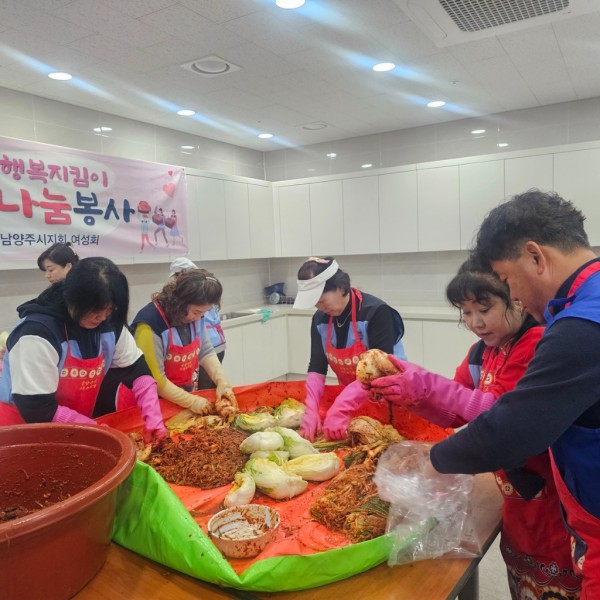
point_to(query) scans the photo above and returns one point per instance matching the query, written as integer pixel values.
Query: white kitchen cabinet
(361, 215)
(327, 218)
(298, 340)
(439, 206)
(265, 350)
(237, 219)
(526, 172)
(262, 221)
(445, 344)
(481, 189)
(577, 178)
(233, 362)
(398, 212)
(211, 229)
(294, 219)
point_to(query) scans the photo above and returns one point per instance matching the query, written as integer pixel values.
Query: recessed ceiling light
(502, 145)
(382, 67)
(316, 126)
(289, 3)
(102, 129)
(187, 147)
(367, 165)
(477, 131)
(436, 104)
(60, 76)
(186, 112)
(331, 155)
(265, 136)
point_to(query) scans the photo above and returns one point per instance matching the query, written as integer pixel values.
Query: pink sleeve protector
(434, 397)
(64, 414)
(311, 423)
(146, 396)
(338, 416)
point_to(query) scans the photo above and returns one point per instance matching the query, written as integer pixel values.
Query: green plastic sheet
(152, 521)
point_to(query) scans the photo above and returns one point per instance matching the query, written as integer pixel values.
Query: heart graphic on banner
(169, 189)
(170, 173)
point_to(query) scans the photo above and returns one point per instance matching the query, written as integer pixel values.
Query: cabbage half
(273, 481)
(242, 492)
(262, 440)
(279, 457)
(289, 413)
(315, 467)
(254, 421)
(294, 443)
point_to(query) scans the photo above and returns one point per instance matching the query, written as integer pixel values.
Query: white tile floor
(493, 584)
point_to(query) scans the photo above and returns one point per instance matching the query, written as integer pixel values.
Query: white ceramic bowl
(243, 531)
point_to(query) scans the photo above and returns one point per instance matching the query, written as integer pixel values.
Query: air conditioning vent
(475, 16)
(449, 22)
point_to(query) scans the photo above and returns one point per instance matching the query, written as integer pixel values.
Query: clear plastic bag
(429, 513)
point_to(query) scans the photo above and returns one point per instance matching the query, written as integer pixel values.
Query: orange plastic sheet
(298, 534)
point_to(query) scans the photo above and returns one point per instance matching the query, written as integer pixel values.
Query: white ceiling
(296, 67)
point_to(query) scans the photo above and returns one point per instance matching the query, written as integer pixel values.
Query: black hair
(473, 283)
(96, 283)
(541, 217)
(188, 287)
(60, 253)
(338, 281)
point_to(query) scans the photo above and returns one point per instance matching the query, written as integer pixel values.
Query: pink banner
(103, 205)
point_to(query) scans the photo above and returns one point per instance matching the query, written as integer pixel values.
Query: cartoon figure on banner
(172, 225)
(143, 214)
(160, 221)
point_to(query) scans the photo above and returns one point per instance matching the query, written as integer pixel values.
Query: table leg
(471, 589)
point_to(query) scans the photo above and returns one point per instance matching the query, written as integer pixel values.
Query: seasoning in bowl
(243, 531)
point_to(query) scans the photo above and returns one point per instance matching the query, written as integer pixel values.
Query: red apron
(534, 542)
(585, 538)
(78, 386)
(181, 362)
(343, 361)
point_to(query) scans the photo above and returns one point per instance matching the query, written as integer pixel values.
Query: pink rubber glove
(338, 416)
(146, 396)
(434, 397)
(64, 414)
(311, 422)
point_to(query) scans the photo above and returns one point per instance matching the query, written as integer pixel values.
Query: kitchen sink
(236, 315)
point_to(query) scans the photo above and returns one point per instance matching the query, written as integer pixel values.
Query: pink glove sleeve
(64, 414)
(146, 396)
(338, 416)
(311, 422)
(434, 397)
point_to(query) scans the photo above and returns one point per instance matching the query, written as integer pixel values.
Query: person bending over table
(58, 356)
(172, 334)
(347, 323)
(534, 542)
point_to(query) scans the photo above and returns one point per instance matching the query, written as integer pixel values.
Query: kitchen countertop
(417, 313)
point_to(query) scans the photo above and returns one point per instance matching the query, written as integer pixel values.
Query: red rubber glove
(146, 397)
(311, 422)
(434, 397)
(338, 416)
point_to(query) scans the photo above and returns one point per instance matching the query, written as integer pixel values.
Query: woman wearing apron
(347, 323)
(172, 334)
(67, 340)
(534, 542)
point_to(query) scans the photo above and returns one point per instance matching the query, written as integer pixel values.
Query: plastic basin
(53, 552)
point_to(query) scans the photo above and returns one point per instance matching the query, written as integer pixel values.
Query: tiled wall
(414, 279)
(243, 282)
(38, 119)
(557, 124)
